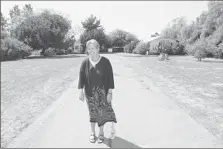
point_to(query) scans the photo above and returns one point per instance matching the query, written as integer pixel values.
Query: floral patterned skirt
(100, 111)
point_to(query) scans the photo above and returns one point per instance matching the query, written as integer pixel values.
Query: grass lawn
(197, 87)
(29, 86)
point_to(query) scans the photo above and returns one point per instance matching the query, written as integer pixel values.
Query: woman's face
(92, 50)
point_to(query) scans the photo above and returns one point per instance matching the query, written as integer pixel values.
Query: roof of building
(153, 38)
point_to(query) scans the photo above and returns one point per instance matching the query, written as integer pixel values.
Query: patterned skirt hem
(103, 122)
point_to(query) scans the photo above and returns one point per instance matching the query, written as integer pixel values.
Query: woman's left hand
(109, 97)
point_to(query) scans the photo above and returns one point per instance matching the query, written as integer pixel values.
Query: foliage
(206, 30)
(12, 49)
(121, 38)
(18, 15)
(4, 24)
(44, 30)
(50, 52)
(130, 47)
(174, 28)
(166, 45)
(91, 23)
(93, 30)
(199, 49)
(141, 48)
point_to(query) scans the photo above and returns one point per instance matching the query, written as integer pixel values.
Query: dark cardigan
(105, 68)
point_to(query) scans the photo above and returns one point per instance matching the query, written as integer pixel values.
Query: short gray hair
(94, 42)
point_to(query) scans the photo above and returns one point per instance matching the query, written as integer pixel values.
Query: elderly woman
(96, 82)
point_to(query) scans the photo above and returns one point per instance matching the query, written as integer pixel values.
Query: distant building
(110, 50)
(117, 49)
(154, 38)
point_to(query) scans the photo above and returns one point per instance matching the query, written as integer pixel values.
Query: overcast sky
(141, 18)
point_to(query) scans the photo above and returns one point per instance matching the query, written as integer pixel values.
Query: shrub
(12, 49)
(3, 51)
(70, 50)
(141, 48)
(60, 52)
(50, 52)
(166, 45)
(130, 47)
(189, 49)
(199, 49)
(64, 51)
(219, 52)
(199, 54)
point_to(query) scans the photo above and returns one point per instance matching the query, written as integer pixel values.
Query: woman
(96, 83)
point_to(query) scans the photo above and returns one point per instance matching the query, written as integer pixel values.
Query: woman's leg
(92, 136)
(93, 128)
(101, 131)
(101, 134)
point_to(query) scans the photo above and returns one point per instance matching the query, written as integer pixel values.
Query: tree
(4, 24)
(206, 30)
(27, 10)
(93, 30)
(173, 30)
(131, 38)
(141, 48)
(91, 23)
(15, 11)
(97, 34)
(212, 28)
(121, 38)
(69, 40)
(43, 31)
(130, 47)
(18, 16)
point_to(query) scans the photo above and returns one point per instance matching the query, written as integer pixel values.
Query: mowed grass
(29, 86)
(197, 87)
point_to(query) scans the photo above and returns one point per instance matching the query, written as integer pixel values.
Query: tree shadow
(135, 55)
(56, 56)
(212, 61)
(118, 142)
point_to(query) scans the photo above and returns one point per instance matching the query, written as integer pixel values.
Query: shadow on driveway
(118, 142)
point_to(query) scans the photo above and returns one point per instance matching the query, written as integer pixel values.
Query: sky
(141, 18)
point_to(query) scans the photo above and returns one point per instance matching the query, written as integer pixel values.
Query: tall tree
(27, 10)
(91, 23)
(44, 30)
(15, 11)
(120, 38)
(18, 15)
(4, 24)
(173, 30)
(93, 30)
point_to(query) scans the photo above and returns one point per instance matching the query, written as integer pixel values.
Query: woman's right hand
(81, 95)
